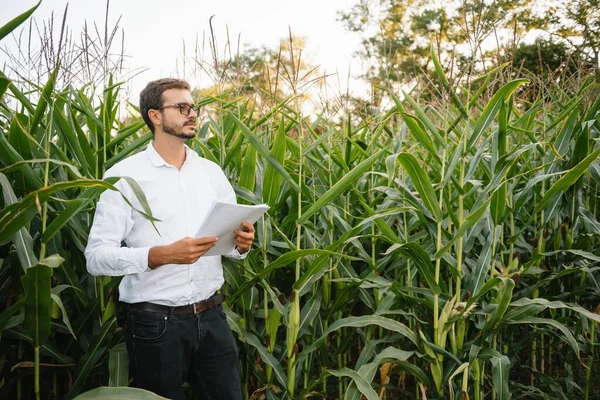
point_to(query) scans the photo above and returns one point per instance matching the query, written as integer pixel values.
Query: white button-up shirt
(180, 199)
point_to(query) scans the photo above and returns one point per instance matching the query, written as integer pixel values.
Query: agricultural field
(444, 247)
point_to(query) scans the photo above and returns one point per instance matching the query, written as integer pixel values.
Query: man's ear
(155, 116)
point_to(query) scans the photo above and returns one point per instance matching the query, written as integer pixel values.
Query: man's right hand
(184, 251)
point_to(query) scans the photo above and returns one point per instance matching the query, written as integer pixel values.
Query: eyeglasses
(184, 108)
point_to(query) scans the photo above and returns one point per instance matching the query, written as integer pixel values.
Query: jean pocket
(148, 329)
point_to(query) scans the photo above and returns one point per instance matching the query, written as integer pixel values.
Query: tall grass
(445, 249)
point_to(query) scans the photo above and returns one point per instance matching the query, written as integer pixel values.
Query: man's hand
(185, 251)
(244, 238)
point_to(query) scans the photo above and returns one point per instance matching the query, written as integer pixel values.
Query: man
(175, 329)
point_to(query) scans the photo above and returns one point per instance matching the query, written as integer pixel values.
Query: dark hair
(151, 96)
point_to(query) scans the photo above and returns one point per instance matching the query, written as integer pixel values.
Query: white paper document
(222, 219)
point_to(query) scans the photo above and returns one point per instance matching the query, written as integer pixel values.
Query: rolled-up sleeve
(112, 223)
(236, 254)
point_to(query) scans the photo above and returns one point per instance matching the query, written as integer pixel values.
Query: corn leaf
(282, 261)
(422, 183)
(500, 372)
(45, 98)
(566, 181)
(119, 393)
(15, 216)
(440, 72)
(36, 283)
(265, 153)
(118, 366)
(492, 108)
(422, 262)
(4, 83)
(368, 371)
(272, 179)
(346, 182)
(426, 120)
(417, 129)
(91, 357)
(248, 172)
(21, 238)
(18, 20)
(504, 297)
(362, 385)
(361, 322)
(6, 314)
(547, 321)
(130, 148)
(308, 313)
(470, 221)
(477, 277)
(234, 322)
(64, 217)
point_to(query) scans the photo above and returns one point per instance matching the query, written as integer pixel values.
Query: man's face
(173, 122)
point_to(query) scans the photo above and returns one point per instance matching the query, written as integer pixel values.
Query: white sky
(155, 29)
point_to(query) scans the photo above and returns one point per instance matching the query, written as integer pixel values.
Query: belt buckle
(197, 308)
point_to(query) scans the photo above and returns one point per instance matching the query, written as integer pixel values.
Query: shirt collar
(158, 161)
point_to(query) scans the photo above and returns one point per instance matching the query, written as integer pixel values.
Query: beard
(177, 131)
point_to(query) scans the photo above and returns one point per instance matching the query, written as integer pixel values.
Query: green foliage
(541, 57)
(120, 393)
(440, 247)
(15, 22)
(396, 36)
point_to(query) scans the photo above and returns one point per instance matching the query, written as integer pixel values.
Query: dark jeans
(166, 350)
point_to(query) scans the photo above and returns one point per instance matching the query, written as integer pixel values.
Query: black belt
(195, 308)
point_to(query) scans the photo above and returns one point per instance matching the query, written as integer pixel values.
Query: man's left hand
(244, 238)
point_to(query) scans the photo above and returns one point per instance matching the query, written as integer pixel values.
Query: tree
(578, 23)
(467, 35)
(265, 77)
(545, 56)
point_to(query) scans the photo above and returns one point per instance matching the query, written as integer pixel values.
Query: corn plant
(437, 248)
